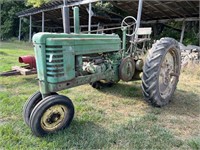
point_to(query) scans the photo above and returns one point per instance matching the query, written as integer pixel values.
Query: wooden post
(182, 32)
(20, 26)
(42, 21)
(30, 28)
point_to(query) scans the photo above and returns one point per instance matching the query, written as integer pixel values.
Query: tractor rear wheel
(161, 72)
(51, 114)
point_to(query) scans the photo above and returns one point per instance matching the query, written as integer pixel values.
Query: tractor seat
(143, 35)
(141, 40)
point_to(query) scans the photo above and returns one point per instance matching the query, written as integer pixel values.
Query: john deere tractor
(69, 60)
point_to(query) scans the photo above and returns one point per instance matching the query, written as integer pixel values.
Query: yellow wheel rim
(53, 118)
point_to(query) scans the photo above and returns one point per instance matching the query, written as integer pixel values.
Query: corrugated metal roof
(54, 4)
(153, 11)
(161, 9)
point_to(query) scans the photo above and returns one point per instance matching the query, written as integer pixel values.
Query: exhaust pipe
(30, 60)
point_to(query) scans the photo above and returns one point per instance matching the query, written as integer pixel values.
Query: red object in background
(28, 60)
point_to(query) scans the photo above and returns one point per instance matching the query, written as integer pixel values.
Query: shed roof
(161, 9)
(153, 11)
(52, 5)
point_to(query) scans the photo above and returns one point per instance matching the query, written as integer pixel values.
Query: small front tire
(30, 104)
(51, 114)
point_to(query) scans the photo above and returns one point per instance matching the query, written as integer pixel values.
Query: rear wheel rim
(167, 74)
(54, 117)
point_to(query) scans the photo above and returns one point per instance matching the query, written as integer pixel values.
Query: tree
(9, 20)
(36, 3)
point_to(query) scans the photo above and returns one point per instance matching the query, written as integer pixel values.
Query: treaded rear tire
(152, 70)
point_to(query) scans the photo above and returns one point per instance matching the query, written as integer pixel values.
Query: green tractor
(69, 60)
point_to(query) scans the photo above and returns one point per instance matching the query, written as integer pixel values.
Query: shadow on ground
(81, 134)
(138, 134)
(184, 102)
(126, 90)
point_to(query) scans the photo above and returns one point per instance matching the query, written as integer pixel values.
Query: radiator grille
(54, 61)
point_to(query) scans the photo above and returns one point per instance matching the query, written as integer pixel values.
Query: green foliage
(100, 8)
(9, 53)
(3, 1)
(36, 3)
(195, 143)
(191, 36)
(10, 21)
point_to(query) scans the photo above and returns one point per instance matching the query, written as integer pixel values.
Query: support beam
(20, 27)
(0, 24)
(89, 17)
(81, 26)
(199, 23)
(76, 20)
(139, 13)
(182, 32)
(42, 21)
(174, 19)
(65, 15)
(139, 16)
(142, 22)
(30, 28)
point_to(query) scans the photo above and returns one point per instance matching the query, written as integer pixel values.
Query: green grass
(9, 53)
(111, 118)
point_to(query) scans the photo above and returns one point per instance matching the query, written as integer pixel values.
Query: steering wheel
(129, 22)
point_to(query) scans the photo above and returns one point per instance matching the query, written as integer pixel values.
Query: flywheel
(127, 69)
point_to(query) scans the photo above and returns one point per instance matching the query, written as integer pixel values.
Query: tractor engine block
(92, 67)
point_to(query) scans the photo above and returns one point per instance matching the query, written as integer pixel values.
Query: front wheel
(51, 114)
(161, 72)
(30, 104)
